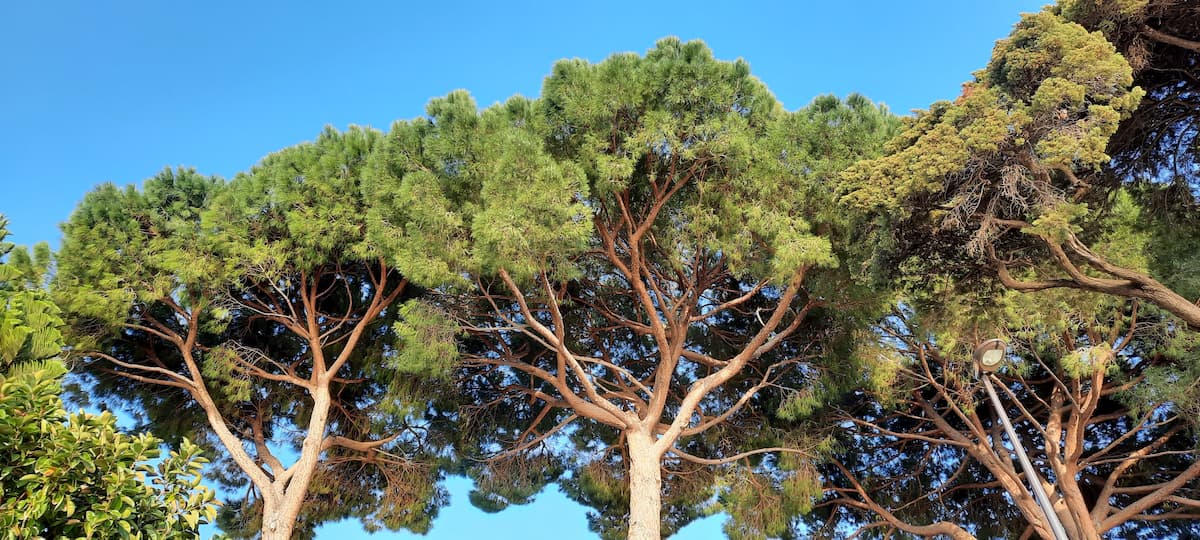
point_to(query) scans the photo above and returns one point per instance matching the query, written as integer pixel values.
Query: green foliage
(219, 367)
(191, 297)
(127, 246)
(543, 219)
(885, 182)
(673, 163)
(513, 481)
(76, 476)
(1057, 69)
(29, 322)
(1050, 98)
(605, 489)
(1112, 10)
(28, 327)
(515, 186)
(459, 164)
(879, 368)
(1163, 221)
(799, 404)
(823, 139)
(1176, 382)
(1056, 223)
(1017, 149)
(1057, 343)
(764, 506)
(298, 209)
(388, 496)
(1086, 361)
(425, 341)
(1125, 241)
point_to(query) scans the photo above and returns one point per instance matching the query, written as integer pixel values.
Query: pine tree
(639, 256)
(252, 316)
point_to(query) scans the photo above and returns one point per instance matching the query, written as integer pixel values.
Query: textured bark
(941, 528)
(282, 520)
(645, 488)
(638, 406)
(276, 525)
(283, 490)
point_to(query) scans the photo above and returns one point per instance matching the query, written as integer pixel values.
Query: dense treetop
(659, 288)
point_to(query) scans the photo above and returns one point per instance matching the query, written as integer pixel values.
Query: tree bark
(280, 518)
(276, 525)
(1174, 303)
(645, 487)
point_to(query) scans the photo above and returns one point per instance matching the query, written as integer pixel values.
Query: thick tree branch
(1160, 36)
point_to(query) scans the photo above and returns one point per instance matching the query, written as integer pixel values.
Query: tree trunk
(1078, 519)
(645, 487)
(281, 512)
(275, 524)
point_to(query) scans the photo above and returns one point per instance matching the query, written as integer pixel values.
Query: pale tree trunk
(645, 487)
(277, 520)
(276, 525)
(281, 510)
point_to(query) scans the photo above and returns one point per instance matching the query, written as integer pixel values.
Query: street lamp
(988, 356)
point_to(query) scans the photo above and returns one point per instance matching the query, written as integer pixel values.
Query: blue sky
(114, 91)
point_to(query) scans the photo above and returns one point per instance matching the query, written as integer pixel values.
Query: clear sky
(114, 91)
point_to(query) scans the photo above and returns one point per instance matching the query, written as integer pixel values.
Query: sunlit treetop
(253, 315)
(1042, 110)
(518, 184)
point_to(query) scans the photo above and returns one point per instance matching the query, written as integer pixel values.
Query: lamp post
(989, 355)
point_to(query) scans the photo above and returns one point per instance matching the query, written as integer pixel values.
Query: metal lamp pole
(988, 357)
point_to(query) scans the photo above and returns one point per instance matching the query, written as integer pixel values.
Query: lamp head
(989, 355)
